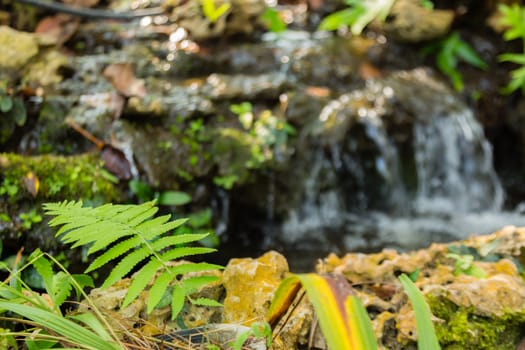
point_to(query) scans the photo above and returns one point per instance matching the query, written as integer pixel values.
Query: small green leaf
(273, 21)
(157, 290)
(212, 12)
(174, 198)
(200, 218)
(341, 18)
(6, 103)
(177, 301)
(512, 57)
(414, 275)
(206, 302)
(467, 53)
(18, 112)
(241, 108)
(141, 190)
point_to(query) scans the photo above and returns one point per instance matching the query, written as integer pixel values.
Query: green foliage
(462, 328)
(193, 135)
(269, 133)
(212, 12)
(273, 21)
(9, 188)
(79, 177)
(76, 334)
(43, 310)
(426, 335)
(359, 14)
(58, 285)
(427, 4)
(134, 237)
(145, 193)
(464, 265)
(513, 17)
(12, 113)
(450, 51)
(258, 330)
(226, 181)
(30, 218)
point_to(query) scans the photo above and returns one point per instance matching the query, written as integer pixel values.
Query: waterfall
(454, 166)
(400, 163)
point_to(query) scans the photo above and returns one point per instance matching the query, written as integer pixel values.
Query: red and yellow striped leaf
(342, 317)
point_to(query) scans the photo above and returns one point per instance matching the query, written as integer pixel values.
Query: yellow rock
(17, 48)
(250, 285)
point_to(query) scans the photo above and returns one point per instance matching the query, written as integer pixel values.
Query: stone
(250, 285)
(240, 18)
(469, 312)
(17, 48)
(409, 21)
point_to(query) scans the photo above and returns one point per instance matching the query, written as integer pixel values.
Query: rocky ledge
(474, 287)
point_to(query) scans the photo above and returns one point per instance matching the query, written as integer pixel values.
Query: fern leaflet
(131, 236)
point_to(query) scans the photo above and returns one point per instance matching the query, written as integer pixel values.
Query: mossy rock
(54, 178)
(463, 329)
(235, 153)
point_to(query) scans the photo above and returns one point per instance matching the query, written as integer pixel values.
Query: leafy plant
(359, 14)
(450, 51)
(12, 112)
(464, 265)
(260, 330)
(134, 237)
(30, 218)
(514, 18)
(342, 316)
(9, 188)
(144, 192)
(269, 132)
(212, 12)
(84, 331)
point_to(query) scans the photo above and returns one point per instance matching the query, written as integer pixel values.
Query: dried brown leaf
(59, 28)
(122, 77)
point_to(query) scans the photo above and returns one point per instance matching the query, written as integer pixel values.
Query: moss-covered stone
(53, 178)
(235, 152)
(461, 328)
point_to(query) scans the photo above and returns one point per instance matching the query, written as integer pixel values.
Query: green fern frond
(131, 236)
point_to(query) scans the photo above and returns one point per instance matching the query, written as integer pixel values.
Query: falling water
(408, 164)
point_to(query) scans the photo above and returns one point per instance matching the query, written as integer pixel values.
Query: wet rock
(245, 87)
(250, 285)
(241, 18)
(44, 71)
(232, 152)
(161, 154)
(294, 328)
(464, 306)
(59, 177)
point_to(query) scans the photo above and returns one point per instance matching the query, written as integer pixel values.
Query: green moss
(462, 329)
(54, 178)
(235, 152)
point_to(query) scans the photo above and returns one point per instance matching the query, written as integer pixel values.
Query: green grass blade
(72, 331)
(426, 335)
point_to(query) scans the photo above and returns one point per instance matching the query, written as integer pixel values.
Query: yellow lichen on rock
(17, 48)
(250, 285)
